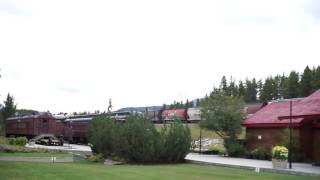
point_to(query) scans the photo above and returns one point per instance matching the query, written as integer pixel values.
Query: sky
(73, 55)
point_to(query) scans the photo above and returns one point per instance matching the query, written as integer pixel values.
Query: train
(75, 128)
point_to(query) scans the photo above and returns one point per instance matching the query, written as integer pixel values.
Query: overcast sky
(64, 55)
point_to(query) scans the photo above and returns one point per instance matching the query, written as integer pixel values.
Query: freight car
(170, 114)
(31, 125)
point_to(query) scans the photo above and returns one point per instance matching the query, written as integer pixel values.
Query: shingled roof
(277, 113)
(268, 115)
(308, 107)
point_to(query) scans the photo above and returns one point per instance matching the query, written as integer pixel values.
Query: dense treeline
(274, 87)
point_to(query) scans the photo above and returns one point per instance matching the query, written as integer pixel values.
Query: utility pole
(290, 137)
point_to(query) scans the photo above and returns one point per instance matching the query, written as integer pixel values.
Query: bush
(176, 142)
(261, 153)
(137, 140)
(21, 141)
(11, 141)
(217, 149)
(103, 135)
(3, 140)
(234, 148)
(96, 158)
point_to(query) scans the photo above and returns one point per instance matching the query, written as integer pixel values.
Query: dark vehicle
(49, 140)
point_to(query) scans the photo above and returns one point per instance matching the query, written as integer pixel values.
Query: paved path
(38, 159)
(263, 165)
(75, 148)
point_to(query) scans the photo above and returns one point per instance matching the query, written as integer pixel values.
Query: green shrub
(217, 149)
(96, 158)
(261, 153)
(103, 135)
(3, 140)
(137, 140)
(12, 141)
(176, 141)
(234, 148)
(21, 141)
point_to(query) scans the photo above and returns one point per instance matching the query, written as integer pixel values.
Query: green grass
(21, 170)
(37, 154)
(195, 132)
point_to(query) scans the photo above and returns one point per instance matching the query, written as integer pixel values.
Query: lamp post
(200, 138)
(290, 137)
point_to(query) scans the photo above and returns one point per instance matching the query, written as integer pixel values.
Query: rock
(3, 147)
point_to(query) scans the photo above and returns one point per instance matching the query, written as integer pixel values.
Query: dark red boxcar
(170, 114)
(31, 125)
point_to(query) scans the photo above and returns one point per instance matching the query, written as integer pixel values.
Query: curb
(281, 171)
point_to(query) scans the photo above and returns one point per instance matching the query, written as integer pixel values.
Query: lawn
(84, 170)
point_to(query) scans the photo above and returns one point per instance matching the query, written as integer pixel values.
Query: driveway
(264, 165)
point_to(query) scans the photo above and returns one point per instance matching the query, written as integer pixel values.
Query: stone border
(282, 171)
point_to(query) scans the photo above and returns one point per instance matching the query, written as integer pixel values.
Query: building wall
(316, 144)
(306, 139)
(270, 137)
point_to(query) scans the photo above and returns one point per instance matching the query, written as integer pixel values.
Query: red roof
(309, 106)
(268, 115)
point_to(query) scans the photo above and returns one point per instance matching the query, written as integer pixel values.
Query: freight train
(75, 128)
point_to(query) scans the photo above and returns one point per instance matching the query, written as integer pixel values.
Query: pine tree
(242, 90)
(284, 87)
(224, 85)
(293, 85)
(276, 87)
(233, 88)
(267, 90)
(306, 82)
(316, 79)
(251, 90)
(9, 109)
(259, 89)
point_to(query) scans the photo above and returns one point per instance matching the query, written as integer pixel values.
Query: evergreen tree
(259, 89)
(306, 82)
(276, 87)
(233, 88)
(267, 90)
(241, 90)
(283, 87)
(316, 79)
(224, 85)
(251, 90)
(9, 109)
(293, 85)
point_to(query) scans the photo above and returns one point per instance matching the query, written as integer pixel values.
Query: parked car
(49, 140)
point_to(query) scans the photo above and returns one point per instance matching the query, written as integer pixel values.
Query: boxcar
(31, 125)
(170, 114)
(194, 114)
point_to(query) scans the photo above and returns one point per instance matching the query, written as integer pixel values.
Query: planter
(279, 164)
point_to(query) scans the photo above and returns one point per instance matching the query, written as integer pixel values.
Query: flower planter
(279, 164)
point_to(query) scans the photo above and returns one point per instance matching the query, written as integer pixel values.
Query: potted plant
(279, 157)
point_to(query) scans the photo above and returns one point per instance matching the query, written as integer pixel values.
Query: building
(269, 126)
